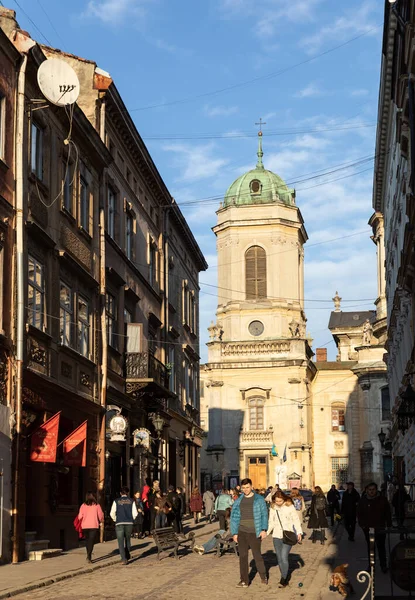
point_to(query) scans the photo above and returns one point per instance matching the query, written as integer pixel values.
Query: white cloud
(311, 90)
(116, 11)
(359, 93)
(195, 161)
(220, 111)
(163, 45)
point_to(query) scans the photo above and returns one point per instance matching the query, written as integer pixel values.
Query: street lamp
(158, 423)
(382, 437)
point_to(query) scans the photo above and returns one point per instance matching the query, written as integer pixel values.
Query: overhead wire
(32, 22)
(50, 22)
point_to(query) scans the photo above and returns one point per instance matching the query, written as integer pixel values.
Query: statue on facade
(337, 301)
(294, 328)
(367, 332)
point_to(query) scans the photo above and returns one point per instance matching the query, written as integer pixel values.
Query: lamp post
(382, 437)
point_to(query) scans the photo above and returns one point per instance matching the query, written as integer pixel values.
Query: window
(185, 302)
(129, 234)
(339, 470)
(255, 186)
(386, 405)
(37, 151)
(256, 273)
(111, 205)
(36, 294)
(256, 414)
(187, 381)
(153, 263)
(67, 185)
(338, 413)
(2, 126)
(128, 318)
(172, 380)
(84, 204)
(66, 314)
(83, 326)
(111, 320)
(128, 176)
(121, 163)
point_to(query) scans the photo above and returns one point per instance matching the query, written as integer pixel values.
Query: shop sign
(141, 438)
(117, 426)
(44, 441)
(74, 447)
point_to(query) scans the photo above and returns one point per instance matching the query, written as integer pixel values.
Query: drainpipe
(19, 162)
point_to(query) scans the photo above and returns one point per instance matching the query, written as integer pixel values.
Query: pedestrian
(283, 516)
(172, 508)
(147, 509)
(151, 498)
(139, 521)
(196, 504)
(90, 516)
(374, 511)
(318, 520)
(222, 502)
(268, 497)
(298, 502)
(158, 507)
(333, 499)
(209, 502)
(180, 512)
(249, 525)
(124, 512)
(226, 536)
(400, 498)
(350, 501)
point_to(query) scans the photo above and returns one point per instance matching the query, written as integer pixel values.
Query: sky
(197, 76)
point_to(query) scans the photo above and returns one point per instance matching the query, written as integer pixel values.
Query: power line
(256, 79)
(50, 22)
(32, 22)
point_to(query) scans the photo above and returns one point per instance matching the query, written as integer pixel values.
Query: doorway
(257, 471)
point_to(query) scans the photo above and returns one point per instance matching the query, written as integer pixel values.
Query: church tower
(256, 397)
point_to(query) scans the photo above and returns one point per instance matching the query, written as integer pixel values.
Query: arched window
(338, 416)
(255, 186)
(256, 273)
(256, 414)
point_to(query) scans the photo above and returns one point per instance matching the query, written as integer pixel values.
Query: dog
(340, 581)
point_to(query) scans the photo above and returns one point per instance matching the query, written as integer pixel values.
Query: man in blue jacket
(249, 524)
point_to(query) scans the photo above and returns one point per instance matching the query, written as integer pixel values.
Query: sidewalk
(355, 554)
(27, 576)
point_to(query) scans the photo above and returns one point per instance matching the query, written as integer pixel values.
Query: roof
(341, 365)
(350, 319)
(259, 186)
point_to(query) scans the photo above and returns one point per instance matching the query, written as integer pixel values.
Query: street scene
(207, 342)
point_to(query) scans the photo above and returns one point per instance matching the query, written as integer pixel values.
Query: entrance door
(257, 471)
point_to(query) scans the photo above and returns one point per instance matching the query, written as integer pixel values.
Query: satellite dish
(58, 82)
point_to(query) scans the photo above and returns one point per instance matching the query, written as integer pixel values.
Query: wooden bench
(167, 539)
(223, 546)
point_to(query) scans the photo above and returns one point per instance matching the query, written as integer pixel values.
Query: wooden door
(257, 471)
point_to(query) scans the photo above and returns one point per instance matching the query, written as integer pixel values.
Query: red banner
(74, 447)
(44, 441)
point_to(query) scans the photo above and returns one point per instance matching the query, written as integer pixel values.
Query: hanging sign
(74, 447)
(44, 441)
(117, 426)
(141, 438)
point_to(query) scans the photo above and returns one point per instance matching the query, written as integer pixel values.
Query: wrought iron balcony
(143, 368)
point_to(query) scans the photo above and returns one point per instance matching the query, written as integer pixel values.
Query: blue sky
(171, 60)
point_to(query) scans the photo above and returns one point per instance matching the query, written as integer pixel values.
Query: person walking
(181, 509)
(139, 522)
(374, 511)
(283, 516)
(222, 502)
(209, 502)
(147, 509)
(350, 501)
(172, 508)
(196, 504)
(333, 499)
(151, 498)
(318, 520)
(124, 512)
(298, 502)
(158, 507)
(249, 525)
(90, 516)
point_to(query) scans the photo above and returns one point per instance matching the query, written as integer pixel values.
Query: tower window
(255, 273)
(255, 186)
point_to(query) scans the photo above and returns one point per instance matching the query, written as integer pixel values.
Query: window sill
(68, 215)
(114, 350)
(75, 354)
(85, 233)
(39, 183)
(39, 333)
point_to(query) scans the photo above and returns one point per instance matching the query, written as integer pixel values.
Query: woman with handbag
(318, 519)
(285, 526)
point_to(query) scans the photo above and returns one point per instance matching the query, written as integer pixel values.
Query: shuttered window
(256, 273)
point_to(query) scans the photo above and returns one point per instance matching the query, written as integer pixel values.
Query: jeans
(90, 535)
(246, 541)
(160, 520)
(350, 524)
(123, 533)
(210, 544)
(333, 509)
(380, 544)
(222, 518)
(282, 551)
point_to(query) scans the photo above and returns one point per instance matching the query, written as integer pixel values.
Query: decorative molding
(66, 369)
(4, 372)
(256, 437)
(339, 445)
(85, 379)
(238, 348)
(38, 355)
(214, 384)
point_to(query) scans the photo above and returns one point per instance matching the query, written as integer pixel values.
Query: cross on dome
(260, 154)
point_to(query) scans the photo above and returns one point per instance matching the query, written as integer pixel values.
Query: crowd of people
(246, 516)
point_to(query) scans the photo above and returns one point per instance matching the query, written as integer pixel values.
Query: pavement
(68, 577)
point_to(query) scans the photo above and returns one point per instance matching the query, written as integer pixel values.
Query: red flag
(44, 441)
(74, 447)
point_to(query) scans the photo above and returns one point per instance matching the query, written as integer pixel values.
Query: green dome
(259, 186)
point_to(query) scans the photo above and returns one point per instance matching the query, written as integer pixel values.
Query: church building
(271, 410)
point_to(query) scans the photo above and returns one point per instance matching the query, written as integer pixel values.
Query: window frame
(111, 319)
(111, 211)
(38, 289)
(336, 474)
(129, 235)
(36, 150)
(67, 185)
(66, 316)
(3, 110)
(84, 204)
(338, 407)
(386, 413)
(256, 413)
(153, 263)
(255, 273)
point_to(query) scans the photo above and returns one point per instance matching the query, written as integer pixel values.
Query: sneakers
(242, 584)
(283, 582)
(198, 550)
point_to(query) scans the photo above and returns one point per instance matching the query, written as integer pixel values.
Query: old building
(393, 198)
(269, 411)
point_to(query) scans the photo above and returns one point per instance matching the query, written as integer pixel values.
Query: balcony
(256, 439)
(146, 373)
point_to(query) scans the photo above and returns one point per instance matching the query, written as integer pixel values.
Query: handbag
(288, 537)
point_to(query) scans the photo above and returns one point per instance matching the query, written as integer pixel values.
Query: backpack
(297, 503)
(320, 503)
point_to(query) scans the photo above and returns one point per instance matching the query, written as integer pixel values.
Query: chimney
(321, 354)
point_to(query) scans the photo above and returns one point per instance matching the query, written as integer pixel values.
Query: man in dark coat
(173, 505)
(374, 511)
(333, 498)
(350, 501)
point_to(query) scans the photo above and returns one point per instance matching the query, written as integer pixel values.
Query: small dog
(340, 581)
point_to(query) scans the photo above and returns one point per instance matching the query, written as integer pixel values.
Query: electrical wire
(50, 22)
(32, 22)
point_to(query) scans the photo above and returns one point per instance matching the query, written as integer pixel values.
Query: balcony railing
(256, 437)
(144, 366)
